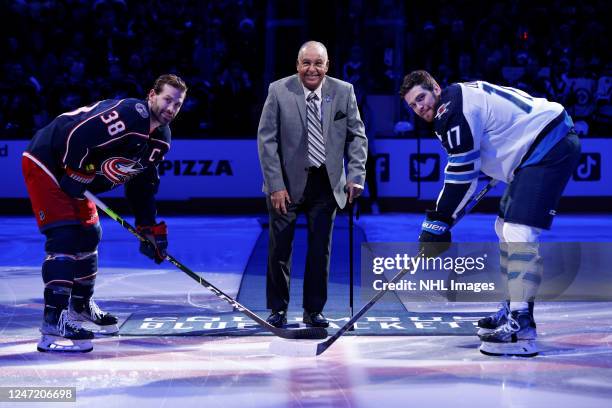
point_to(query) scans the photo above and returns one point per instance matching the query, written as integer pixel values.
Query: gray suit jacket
(282, 138)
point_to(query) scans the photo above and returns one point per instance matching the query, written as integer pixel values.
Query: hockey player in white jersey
(528, 143)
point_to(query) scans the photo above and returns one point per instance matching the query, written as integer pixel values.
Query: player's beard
(431, 109)
(159, 116)
(430, 114)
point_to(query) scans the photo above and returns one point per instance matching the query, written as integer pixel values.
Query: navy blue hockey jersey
(109, 142)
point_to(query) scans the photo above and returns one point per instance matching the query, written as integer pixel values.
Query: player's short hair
(170, 79)
(415, 78)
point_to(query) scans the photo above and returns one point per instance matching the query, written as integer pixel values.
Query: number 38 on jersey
(112, 122)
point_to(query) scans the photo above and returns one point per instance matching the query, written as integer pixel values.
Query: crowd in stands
(60, 55)
(554, 49)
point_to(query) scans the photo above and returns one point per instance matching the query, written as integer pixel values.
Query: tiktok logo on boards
(589, 167)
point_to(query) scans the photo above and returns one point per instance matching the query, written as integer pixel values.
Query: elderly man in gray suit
(308, 125)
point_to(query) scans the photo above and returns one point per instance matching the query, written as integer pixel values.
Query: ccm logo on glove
(158, 237)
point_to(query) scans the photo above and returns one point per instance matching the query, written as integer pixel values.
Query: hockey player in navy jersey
(528, 143)
(95, 148)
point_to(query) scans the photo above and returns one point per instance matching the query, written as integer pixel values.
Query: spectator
(86, 45)
(603, 97)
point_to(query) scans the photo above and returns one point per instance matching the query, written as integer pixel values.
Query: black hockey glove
(158, 235)
(74, 183)
(435, 236)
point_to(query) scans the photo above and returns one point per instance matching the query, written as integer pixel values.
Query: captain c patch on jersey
(119, 169)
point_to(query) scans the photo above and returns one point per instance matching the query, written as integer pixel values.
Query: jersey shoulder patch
(450, 107)
(142, 110)
(442, 109)
(450, 124)
(135, 114)
(450, 103)
(138, 106)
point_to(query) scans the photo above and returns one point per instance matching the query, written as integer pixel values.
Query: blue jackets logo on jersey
(119, 169)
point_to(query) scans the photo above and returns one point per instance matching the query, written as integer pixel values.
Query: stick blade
(282, 347)
(310, 333)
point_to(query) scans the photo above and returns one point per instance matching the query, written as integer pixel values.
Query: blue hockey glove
(435, 236)
(158, 235)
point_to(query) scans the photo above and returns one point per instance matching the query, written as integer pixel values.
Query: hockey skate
(65, 335)
(490, 323)
(106, 323)
(516, 337)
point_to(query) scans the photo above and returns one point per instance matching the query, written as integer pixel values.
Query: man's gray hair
(310, 44)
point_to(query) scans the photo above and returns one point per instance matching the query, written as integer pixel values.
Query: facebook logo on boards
(383, 167)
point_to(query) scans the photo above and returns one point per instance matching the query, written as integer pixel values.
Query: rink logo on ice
(196, 168)
(401, 323)
(425, 167)
(589, 167)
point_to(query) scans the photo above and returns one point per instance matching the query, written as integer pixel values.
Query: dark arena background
(180, 343)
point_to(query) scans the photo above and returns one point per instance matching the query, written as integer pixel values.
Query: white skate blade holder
(63, 345)
(294, 348)
(524, 348)
(482, 331)
(104, 331)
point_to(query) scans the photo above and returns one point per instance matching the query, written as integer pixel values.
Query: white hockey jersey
(493, 129)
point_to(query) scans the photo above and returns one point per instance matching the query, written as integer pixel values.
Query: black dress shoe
(278, 318)
(315, 319)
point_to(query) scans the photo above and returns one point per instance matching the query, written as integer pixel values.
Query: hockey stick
(298, 333)
(351, 255)
(315, 349)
